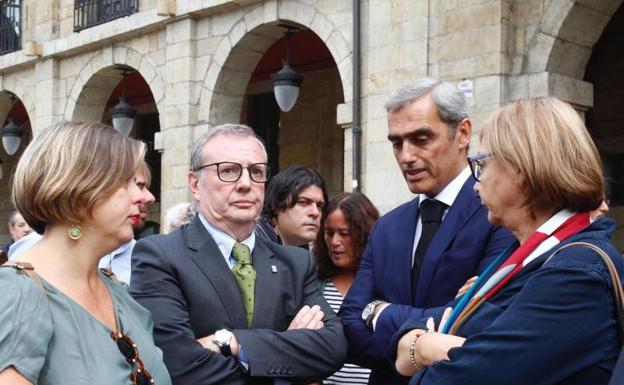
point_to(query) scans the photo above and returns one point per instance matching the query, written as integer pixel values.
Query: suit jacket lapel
(268, 284)
(403, 243)
(463, 208)
(206, 255)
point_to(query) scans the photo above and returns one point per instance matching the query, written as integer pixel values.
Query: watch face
(222, 337)
(367, 311)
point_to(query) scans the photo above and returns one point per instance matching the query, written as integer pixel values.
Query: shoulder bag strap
(618, 293)
(29, 270)
(108, 272)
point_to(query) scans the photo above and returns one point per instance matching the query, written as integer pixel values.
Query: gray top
(58, 342)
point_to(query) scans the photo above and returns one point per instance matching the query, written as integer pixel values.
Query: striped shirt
(349, 374)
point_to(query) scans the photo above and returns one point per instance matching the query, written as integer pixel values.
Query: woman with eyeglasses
(63, 321)
(338, 250)
(545, 311)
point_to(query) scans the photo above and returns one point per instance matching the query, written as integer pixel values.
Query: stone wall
(198, 61)
(309, 134)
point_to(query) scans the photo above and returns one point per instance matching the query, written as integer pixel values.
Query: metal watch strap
(371, 316)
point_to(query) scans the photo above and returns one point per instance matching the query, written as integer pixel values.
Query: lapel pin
(273, 269)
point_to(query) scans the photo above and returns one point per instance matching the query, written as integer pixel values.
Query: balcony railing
(10, 26)
(88, 13)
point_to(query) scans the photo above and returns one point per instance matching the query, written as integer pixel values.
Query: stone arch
(98, 77)
(242, 47)
(566, 35)
(8, 162)
(5, 108)
(12, 85)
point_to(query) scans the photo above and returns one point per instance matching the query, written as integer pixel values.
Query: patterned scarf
(561, 226)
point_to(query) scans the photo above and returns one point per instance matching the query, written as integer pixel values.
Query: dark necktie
(245, 276)
(430, 216)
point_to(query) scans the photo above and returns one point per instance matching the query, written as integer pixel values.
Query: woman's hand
(419, 348)
(429, 348)
(432, 347)
(403, 363)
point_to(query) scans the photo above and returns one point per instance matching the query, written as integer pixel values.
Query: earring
(74, 232)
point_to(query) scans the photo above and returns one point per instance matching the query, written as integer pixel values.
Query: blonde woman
(530, 319)
(61, 320)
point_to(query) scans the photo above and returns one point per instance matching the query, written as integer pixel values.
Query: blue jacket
(551, 324)
(618, 372)
(462, 247)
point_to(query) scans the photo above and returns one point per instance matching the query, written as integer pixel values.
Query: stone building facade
(200, 61)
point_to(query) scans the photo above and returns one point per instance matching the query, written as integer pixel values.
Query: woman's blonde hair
(68, 168)
(547, 142)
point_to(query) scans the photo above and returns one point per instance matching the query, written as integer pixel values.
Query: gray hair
(177, 215)
(12, 218)
(197, 150)
(449, 100)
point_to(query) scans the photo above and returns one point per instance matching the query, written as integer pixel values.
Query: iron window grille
(89, 13)
(10, 25)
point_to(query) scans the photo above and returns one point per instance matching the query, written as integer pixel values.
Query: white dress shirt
(119, 261)
(225, 242)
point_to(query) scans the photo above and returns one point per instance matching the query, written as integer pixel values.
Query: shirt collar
(223, 240)
(450, 192)
(121, 249)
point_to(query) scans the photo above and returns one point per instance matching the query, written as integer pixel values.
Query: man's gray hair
(449, 100)
(12, 218)
(197, 150)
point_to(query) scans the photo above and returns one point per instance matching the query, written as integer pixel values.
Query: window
(88, 13)
(10, 26)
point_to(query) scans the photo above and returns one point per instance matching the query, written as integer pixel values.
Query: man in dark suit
(228, 307)
(422, 252)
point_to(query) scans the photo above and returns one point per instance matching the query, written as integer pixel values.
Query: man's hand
(207, 343)
(308, 318)
(462, 290)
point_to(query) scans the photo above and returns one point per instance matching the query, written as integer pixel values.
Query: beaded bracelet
(419, 333)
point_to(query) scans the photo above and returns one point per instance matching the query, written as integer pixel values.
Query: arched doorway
(11, 106)
(605, 70)
(101, 93)
(243, 92)
(308, 134)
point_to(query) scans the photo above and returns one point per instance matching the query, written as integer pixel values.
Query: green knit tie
(245, 276)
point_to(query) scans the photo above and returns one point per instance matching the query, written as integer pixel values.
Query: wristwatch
(222, 338)
(369, 312)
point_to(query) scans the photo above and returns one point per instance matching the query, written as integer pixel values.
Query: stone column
(344, 119)
(394, 51)
(47, 93)
(181, 102)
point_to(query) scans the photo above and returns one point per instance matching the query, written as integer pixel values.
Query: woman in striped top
(339, 247)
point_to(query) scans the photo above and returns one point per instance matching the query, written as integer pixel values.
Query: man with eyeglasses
(228, 307)
(419, 254)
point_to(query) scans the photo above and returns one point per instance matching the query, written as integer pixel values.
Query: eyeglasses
(231, 171)
(476, 165)
(128, 348)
